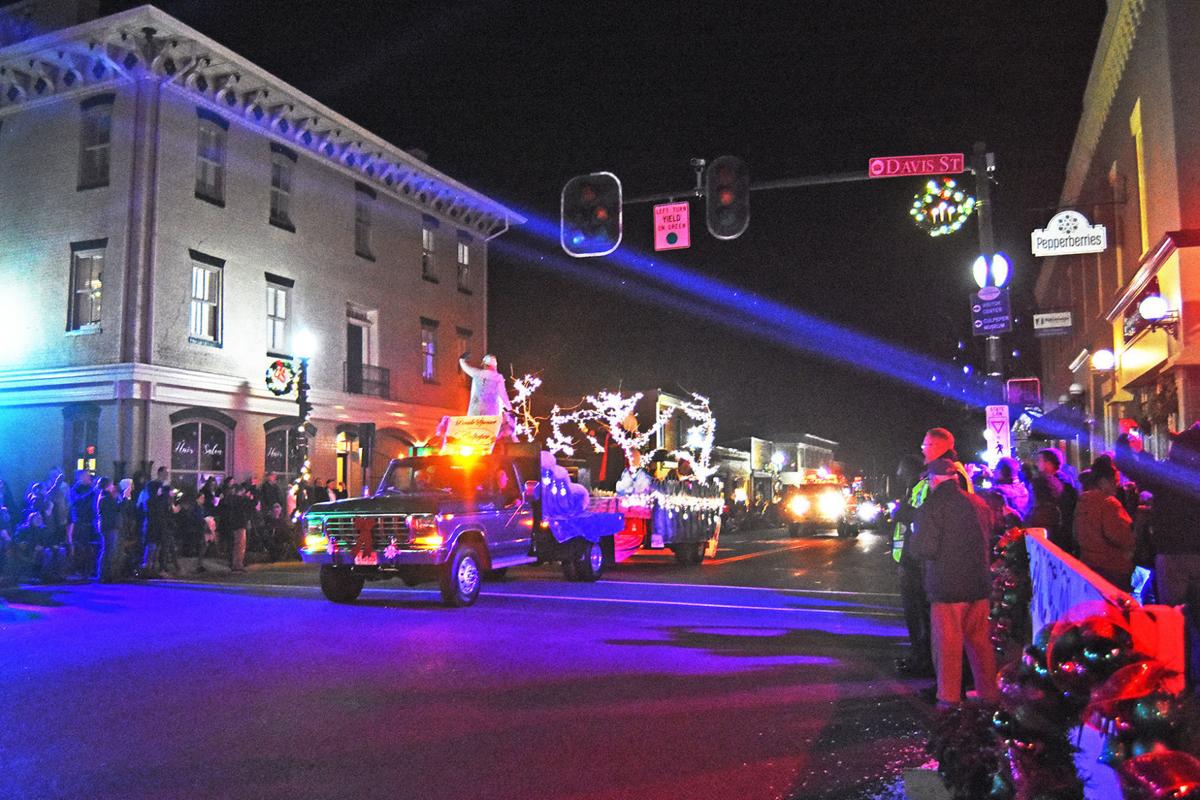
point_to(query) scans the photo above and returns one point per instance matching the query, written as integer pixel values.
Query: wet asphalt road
(764, 674)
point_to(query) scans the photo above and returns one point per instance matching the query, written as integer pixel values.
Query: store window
(199, 448)
(283, 454)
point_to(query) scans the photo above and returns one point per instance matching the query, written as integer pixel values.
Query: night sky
(513, 99)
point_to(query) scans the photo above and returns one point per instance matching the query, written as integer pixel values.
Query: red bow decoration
(365, 543)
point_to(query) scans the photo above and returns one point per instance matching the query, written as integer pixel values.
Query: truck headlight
(424, 532)
(831, 505)
(799, 505)
(315, 540)
(868, 512)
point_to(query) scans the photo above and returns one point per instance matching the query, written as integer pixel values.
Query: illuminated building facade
(1134, 168)
(172, 217)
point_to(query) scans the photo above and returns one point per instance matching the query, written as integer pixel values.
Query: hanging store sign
(1069, 233)
(1052, 323)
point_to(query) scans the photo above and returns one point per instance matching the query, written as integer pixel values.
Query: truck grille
(342, 531)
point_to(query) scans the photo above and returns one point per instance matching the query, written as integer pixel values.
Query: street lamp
(1103, 360)
(778, 459)
(1154, 309)
(305, 346)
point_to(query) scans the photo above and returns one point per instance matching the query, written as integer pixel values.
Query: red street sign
(672, 227)
(904, 166)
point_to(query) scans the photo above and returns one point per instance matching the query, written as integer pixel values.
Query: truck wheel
(460, 577)
(589, 564)
(698, 556)
(685, 554)
(569, 570)
(339, 584)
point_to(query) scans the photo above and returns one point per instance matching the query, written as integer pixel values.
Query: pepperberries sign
(1069, 233)
(280, 377)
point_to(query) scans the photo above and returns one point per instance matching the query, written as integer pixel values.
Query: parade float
(677, 509)
(472, 501)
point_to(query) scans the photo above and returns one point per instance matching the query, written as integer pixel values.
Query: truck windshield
(436, 475)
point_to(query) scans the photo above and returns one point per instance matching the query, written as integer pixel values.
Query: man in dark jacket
(81, 526)
(1175, 521)
(951, 536)
(1066, 495)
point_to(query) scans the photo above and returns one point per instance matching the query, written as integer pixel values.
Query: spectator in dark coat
(82, 533)
(952, 536)
(108, 512)
(1175, 521)
(270, 492)
(1065, 491)
(1103, 529)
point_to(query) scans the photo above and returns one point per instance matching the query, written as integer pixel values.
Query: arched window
(282, 453)
(201, 445)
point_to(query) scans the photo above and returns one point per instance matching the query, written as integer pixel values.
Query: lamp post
(305, 345)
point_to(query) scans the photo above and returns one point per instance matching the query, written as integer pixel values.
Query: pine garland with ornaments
(1084, 669)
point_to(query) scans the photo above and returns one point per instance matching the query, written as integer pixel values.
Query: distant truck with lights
(453, 518)
(813, 506)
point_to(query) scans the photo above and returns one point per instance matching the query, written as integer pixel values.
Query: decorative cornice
(1150, 264)
(1116, 43)
(146, 42)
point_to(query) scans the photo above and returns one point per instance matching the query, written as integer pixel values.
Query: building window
(428, 266)
(364, 197)
(95, 141)
(210, 157)
(464, 342)
(82, 432)
(283, 163)
(283, 451)
(464, 263)
(87, 279)
(279, 292)
(429, 350)
(198, 449)
(205, 321)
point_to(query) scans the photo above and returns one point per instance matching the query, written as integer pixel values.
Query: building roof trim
(124, 46)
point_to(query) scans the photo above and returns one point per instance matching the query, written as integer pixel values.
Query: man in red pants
(952, 538)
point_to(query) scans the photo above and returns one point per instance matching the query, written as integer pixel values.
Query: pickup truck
(451, 519)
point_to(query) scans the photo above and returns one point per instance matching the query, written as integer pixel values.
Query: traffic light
(591, 215)
(727, 197)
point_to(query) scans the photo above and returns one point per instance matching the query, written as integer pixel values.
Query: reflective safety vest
(915, 499)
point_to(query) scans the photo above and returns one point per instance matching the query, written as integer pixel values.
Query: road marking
(686, 604)
(575, 598)
(730, 559)
(753, 588)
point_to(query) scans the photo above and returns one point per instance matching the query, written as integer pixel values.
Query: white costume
(488, 395)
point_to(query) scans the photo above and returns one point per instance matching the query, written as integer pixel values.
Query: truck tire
(339, 584)
(460, 578)
(569, 569)
(698, 556)
(689, 553)
(590, 562)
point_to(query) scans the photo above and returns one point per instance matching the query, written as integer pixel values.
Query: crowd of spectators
(105, 530)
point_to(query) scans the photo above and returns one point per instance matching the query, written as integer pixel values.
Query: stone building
(1135, 169)
(172, 217)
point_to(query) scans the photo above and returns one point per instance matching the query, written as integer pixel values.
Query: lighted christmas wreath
(280, 377)
(941, 207)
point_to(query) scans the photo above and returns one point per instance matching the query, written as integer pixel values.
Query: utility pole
(982, 165)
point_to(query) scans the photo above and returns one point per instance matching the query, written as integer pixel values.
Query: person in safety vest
(938, 443)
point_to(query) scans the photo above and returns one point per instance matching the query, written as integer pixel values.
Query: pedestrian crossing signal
(591, 223)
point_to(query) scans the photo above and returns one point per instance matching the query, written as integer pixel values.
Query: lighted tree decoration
(613, 414)
(526, 423)
(942, 207)
(609, 411)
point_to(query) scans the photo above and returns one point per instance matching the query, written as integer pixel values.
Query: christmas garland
(1083, 669)
(1011, 592)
